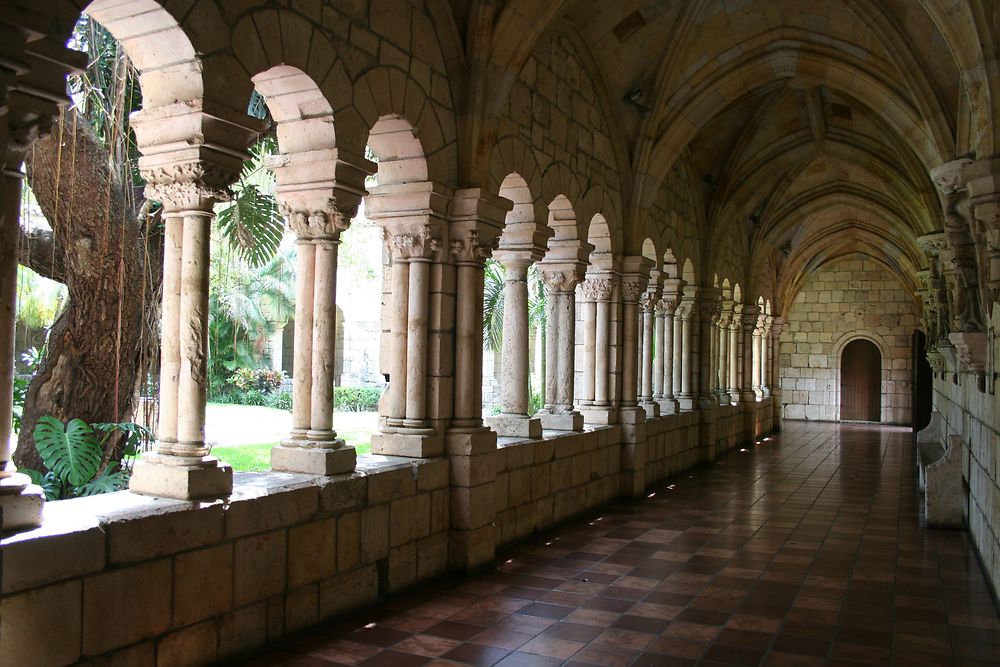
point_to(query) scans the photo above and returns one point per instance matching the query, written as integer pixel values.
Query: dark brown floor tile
(396, 659)
(476, 654)
(453, 630)
(734, 655)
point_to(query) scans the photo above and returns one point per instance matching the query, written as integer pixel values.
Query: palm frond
(493, 277)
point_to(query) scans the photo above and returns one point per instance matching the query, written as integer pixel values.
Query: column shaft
(170, 344)
(467, 339)
(416, 344)
(588, 391)
(601, 353)
(678, 351)
(553, 334)
(629, 353)
(514, 377)
(8, 312)
(400, 285)
(687, 360)
(192, 388)
(324, 341)
(302, 362)
(567, 351)
(647, 353)
(658, 361)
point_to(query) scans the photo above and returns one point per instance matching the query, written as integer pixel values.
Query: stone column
(734, 355)
(559, 412)
(180, 467)
(647, 304)
(514, 419)
(777, 326)
(686, 398)
(597, 292)
(765, 368)
(748, 397)
(660, 311)
(755, 378)
(633, 286)
(672, 291)
(723, 353)
(707, 305)
(313, 446)
(475, 220)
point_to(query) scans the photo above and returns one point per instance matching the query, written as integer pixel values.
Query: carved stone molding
(319, 224)
(936, 361)
(409, 246)
(632, 289)
(597, 289)
(648, 301)
(188, 185)
(561, 281)
(469, 250)
(748, 318)
(971, 348)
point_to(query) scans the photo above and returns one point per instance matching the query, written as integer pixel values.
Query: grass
(257, 458)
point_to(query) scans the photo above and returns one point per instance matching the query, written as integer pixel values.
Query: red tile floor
(805, 550)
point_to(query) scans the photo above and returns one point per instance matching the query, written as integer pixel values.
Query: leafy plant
(281, 400)
(32, 359)
(251, 222)
(356, 399)
(75, 454)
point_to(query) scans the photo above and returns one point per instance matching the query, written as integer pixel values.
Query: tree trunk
(101, 344)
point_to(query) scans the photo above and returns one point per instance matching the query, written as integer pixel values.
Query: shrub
(356, 399)
(263, 380)
(281, 400)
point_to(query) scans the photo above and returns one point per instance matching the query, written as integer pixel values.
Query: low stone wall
(131, 579)
(973, 414)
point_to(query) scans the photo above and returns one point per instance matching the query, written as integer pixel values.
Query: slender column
(589, 344)
(395, 403)
(305, 278)
(765, 370)
(734, 357)
(646, 303)
(20, 501)
(602, 395)
(468, 337)
(707, 304)
(748, 322)
(632, 289)
(756, 355)
(324, 341)
(180, 466)
(777, 326)
(687, 357)
(416, 344)
(724, 357)
(668, 353)
(658, 362)
(679, 345)
(515, 403)
(514, 378)
(559, 412)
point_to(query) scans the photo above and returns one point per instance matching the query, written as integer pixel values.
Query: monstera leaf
(48, 482)
(108, 482)
(70, 450)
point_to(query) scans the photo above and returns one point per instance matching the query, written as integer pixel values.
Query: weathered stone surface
(259, 566)
(27, 624)
(312, 552)
(193, 646)
(203, 584)
(114, 615)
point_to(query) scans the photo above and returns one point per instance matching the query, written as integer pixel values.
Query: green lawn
(354, 427)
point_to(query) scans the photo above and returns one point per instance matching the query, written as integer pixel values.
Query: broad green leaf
(48, 482)
(109, 482)
(70, 451)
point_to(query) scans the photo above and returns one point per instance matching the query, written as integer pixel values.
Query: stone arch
(649, 251)
(559, 181)
(737, 294)
(688, 273)
(599, 207)
(304, 117)
(398, 114)
(599, 236)
(884, 372)
(511, 155)
(169, 65)
(671, 267)
(562, 220)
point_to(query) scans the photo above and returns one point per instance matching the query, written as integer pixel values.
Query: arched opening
(861, 382)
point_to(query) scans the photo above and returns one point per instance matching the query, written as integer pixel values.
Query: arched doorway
(861, 381)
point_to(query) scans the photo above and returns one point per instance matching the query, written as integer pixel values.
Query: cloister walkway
(807, 550)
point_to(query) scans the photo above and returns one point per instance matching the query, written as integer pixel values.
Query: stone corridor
(806, 550)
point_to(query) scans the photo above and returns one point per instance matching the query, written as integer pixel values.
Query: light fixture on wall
(634, 97)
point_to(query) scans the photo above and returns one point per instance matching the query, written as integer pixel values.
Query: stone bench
(939, 470)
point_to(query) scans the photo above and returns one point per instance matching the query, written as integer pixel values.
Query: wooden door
(861, 381)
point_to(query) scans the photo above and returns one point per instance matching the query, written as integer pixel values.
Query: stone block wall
(131, 579)
(849, 299)
(974, 415)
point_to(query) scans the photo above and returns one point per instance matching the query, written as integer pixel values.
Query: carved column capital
(633, 287)
(562, 281)
(971, 348)
(748, 318)
(188, 185)
(597, 289)
(420, 244)
(468, 250)
(316, 224)
(648, 301)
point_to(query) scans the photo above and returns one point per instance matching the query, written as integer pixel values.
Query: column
(765, 369)
(313, 446)
(707, 305)
(597, 293)
(672, 291)
(514, 420)
(734, 356)
(559, 412)
(20, 501)
(757, 331)
(777, 326)
(180, 467)
(647, 304)
(723, 355)
(687, 398)
(751, 360)
(633, 286)
(660, 312)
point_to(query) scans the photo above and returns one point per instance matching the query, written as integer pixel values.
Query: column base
(411, 445)
(561, 421)
(686, 403)
(21, 502)
(748, 397)
(652, 409)
(734, 397)
(515, 426)
(459, 442)
(708, 402)
(669, 406)
(599, 415)
(154, 475)
(289, 456)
